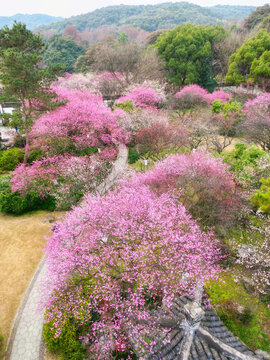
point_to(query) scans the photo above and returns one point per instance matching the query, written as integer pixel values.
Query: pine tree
(24, 79)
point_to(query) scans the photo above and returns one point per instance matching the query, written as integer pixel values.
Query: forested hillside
(158, 151)
(32, 21)
(153, 17)
(259, 17)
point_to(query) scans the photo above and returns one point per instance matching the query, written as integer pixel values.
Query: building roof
(197, 333)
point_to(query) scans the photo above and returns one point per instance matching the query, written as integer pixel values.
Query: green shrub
(11, 158)
(231, 107)
(125, 105)
(1, 341)
(217, 106)
(34, 154)
(261, 199)
(88, 151)
(133, 155)
(19, 141)
(67, 344)
(244, 161)
(242, 155)
(228, 297)
(14, 203)
(122, 355)
(246, 316)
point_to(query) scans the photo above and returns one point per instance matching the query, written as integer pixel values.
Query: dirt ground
(21, 244)
(50, 356)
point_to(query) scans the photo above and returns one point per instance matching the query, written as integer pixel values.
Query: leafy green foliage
(63, 51)
(241, 312)
(10, 159)
(35, 154)
(251, 60)
(261, 199)
(23, 78)
(257, 17)
(66, 345)
(244, 162)
(187, 52)
(260, 68)
(125, 105)
(242, 155)
(152, 17)
(13, 203)
(231, 107)
(229, 116)
(122, 355)
(133, 155)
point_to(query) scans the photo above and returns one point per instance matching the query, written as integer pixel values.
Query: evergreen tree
(251, 60)
(187, 52)
(64, 51)
(23, 77)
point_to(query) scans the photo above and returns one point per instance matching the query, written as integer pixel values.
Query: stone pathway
(25, 340)
(117, 170)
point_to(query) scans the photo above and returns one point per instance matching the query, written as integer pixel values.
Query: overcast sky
(68, 8)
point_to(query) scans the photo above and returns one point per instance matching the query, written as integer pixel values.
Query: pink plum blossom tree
(143, 97)
(208, 190)
(83, 122)
(103, 84)
(65, 178)
(160, 136)
(193, 95)
(110, 256)
(257, 122)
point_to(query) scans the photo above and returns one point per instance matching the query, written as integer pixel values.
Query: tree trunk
(26, 154)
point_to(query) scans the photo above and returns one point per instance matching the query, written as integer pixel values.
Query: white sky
(67, 8)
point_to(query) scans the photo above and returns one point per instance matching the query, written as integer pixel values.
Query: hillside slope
(153, 17)
(31, 21)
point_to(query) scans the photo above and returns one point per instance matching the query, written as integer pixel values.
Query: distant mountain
(258, 17)
(153, 17)
(31, 21)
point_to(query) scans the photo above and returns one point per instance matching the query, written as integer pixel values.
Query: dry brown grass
(21, 242)
(50, 356)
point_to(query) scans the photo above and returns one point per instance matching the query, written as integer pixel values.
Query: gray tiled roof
(200, 349)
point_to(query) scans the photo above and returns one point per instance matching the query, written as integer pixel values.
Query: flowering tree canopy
(257, 123)
(117, 251)
(194, 90)
(64, 177)
(193, 95)
(160, 136)
(208, 188)
(143, 97)
(84, 121)
(219, 95)
(103, 84)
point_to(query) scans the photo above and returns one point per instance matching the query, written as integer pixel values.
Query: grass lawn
(22, 241)
(253, 330)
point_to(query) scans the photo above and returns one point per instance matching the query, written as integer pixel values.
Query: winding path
(25, 341)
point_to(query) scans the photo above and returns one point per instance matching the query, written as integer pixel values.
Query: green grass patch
(244, 315)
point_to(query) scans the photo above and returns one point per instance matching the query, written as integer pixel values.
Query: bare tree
(223, 49)
(133, 61)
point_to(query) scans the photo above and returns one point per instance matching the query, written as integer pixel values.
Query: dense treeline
(197, 187)
(153, 17)
(239, 54)
(32, 21)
